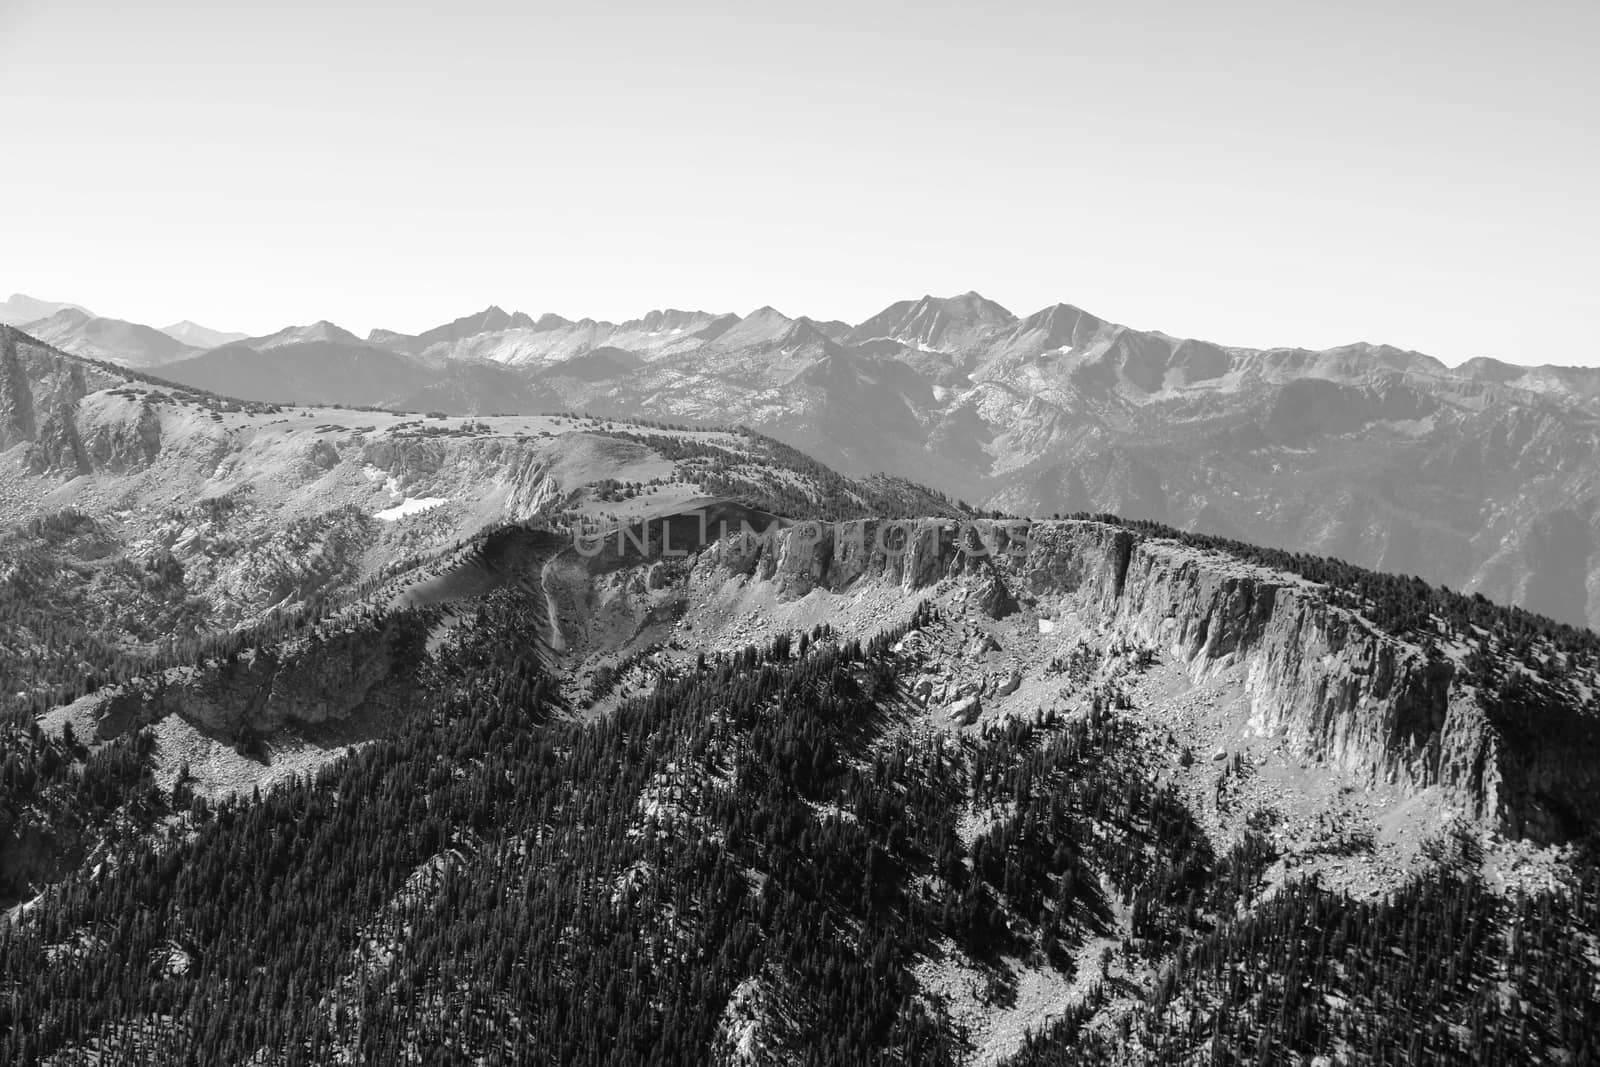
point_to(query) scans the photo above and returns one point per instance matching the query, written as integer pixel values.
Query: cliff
(1324, 678)
(1318, 676)
(39, 394)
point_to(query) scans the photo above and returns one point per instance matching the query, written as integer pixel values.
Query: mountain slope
(491, 319)
(19, 308)
(287, 369)
(112, 340)
(956, 324)
(786, 795)
(560, 739)
(163, 512)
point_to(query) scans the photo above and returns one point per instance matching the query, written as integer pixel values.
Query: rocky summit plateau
(337, 733)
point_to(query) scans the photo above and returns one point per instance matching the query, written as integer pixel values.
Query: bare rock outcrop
(1322, 677)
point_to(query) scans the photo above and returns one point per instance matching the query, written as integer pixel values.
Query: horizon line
(365, 336)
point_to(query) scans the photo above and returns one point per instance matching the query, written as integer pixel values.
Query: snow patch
(409, 506)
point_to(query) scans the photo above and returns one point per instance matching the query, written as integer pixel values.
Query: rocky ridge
(1320, 677)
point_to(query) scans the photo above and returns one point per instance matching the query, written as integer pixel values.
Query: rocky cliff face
(39, 394)
(1337, 688)
(1321, 677)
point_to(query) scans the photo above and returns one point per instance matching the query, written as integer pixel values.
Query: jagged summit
(673, 319)
(491, 319)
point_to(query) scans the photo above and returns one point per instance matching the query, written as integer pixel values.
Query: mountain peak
(321, 331)
(767, 327)
(67, 316)
(940, 324)
(490, 319)
(192, 333)
(1062, 324)
(968, 305)
(974, 302)
(19, 308)
(767, 313)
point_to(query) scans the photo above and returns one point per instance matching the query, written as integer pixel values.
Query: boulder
(966, 710)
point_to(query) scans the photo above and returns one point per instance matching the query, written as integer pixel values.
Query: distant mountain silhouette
(113, 340)
(19, 308)
(197, 336)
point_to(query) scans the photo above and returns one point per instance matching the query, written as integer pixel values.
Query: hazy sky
(1273, 173)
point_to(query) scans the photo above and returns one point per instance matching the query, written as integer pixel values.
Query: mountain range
(19, 308)
(74, 328)
(332, 735)
(1484, 476)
